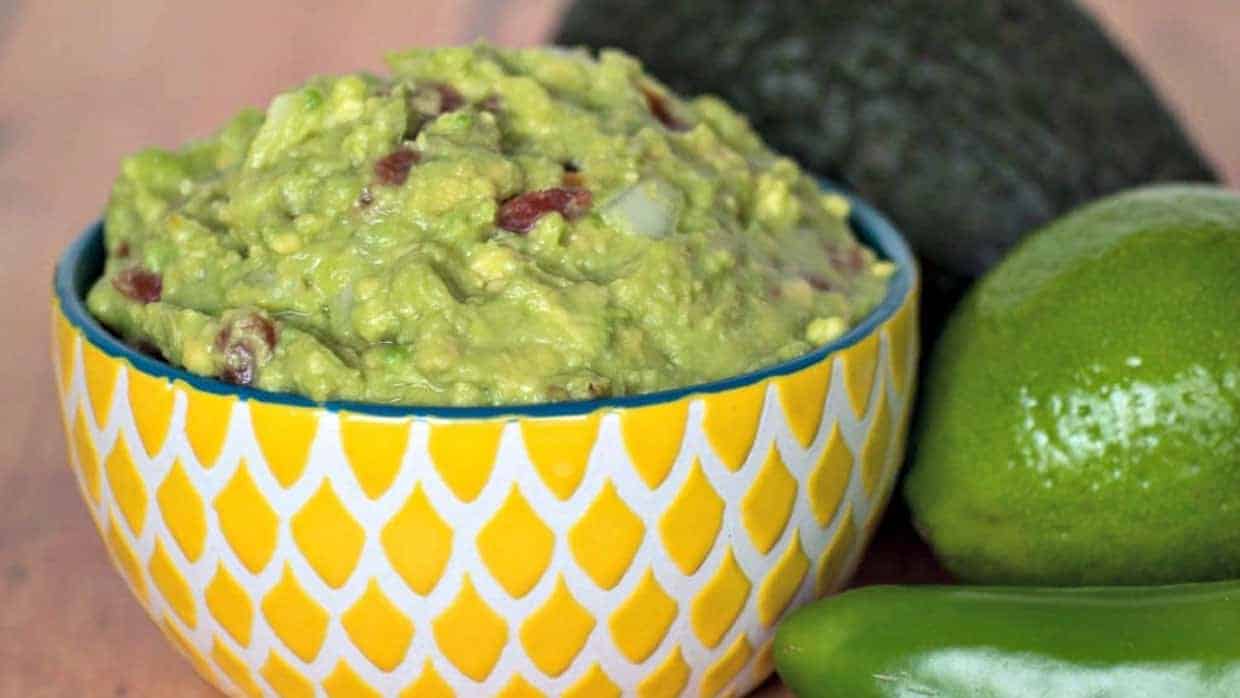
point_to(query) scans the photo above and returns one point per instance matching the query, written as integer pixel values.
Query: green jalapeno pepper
(1178, 641)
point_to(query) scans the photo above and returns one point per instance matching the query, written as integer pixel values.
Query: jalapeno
(1178, 641)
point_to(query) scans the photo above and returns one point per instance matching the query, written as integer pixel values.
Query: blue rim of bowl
(82, 263)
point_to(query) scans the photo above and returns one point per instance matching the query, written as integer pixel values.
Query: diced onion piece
(648, 208)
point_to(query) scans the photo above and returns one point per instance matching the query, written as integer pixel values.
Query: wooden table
(85, 82)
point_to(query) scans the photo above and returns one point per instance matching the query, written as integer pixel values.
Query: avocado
(1080, 420)
(969, 122)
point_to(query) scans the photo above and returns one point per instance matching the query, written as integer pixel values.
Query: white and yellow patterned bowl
(641, 545)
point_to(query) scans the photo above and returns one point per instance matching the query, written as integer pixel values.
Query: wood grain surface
(84, 81)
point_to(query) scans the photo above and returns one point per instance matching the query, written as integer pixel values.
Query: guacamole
(484, 226)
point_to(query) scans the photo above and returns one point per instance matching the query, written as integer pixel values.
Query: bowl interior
(82, 263)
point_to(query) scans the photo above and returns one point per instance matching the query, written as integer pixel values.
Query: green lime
(1081, 421)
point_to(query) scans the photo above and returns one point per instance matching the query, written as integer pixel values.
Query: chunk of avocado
(968, 122)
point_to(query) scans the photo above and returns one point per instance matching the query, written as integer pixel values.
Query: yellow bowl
(644, 544)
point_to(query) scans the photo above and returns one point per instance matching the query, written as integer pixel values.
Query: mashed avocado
(484, 226)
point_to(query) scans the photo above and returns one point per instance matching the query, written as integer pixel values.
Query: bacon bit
(449, 98)
(366, 198)
(239, 365)
(122, 250)
(598, 390)
(250, 324)
(139, 284)
(393, 168)
(521, 212)
(662, 110)
(236, 341)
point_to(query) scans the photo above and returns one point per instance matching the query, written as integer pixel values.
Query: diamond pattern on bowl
(285, 679)
(606, 538)
(470, 633)
(653, 437)
(207, 418)
(87, 456)
(860, 366)
(720, 602)
(418, 543)
(831, 564)
(877, 444)
(295, 617)
(643, 619)
(151, 400)
(646, 595)
(125, 559)
(829, 478)
(518, 687)
(668, 680)
(328, 536)
(378, 628)
(429, 685)
(247, 520)
(731, 422)
(719, 674)
(691, 524)
(554, 634)
(767, 505)
(125, 483)
(235, 669)
(464, 455)
(284, 437)
(803, 396)
(516, 545)
(595, 684)
(230, 605)
(172, 585)
(781, 584)
(343, 682)
(559, 449)
(183, 511)
(374, 448)
(101, 374)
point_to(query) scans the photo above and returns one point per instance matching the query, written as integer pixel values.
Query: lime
(1081, 422)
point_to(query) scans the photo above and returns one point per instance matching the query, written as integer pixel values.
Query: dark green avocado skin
(968, 122)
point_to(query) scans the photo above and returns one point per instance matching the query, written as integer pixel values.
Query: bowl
(645, 544)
